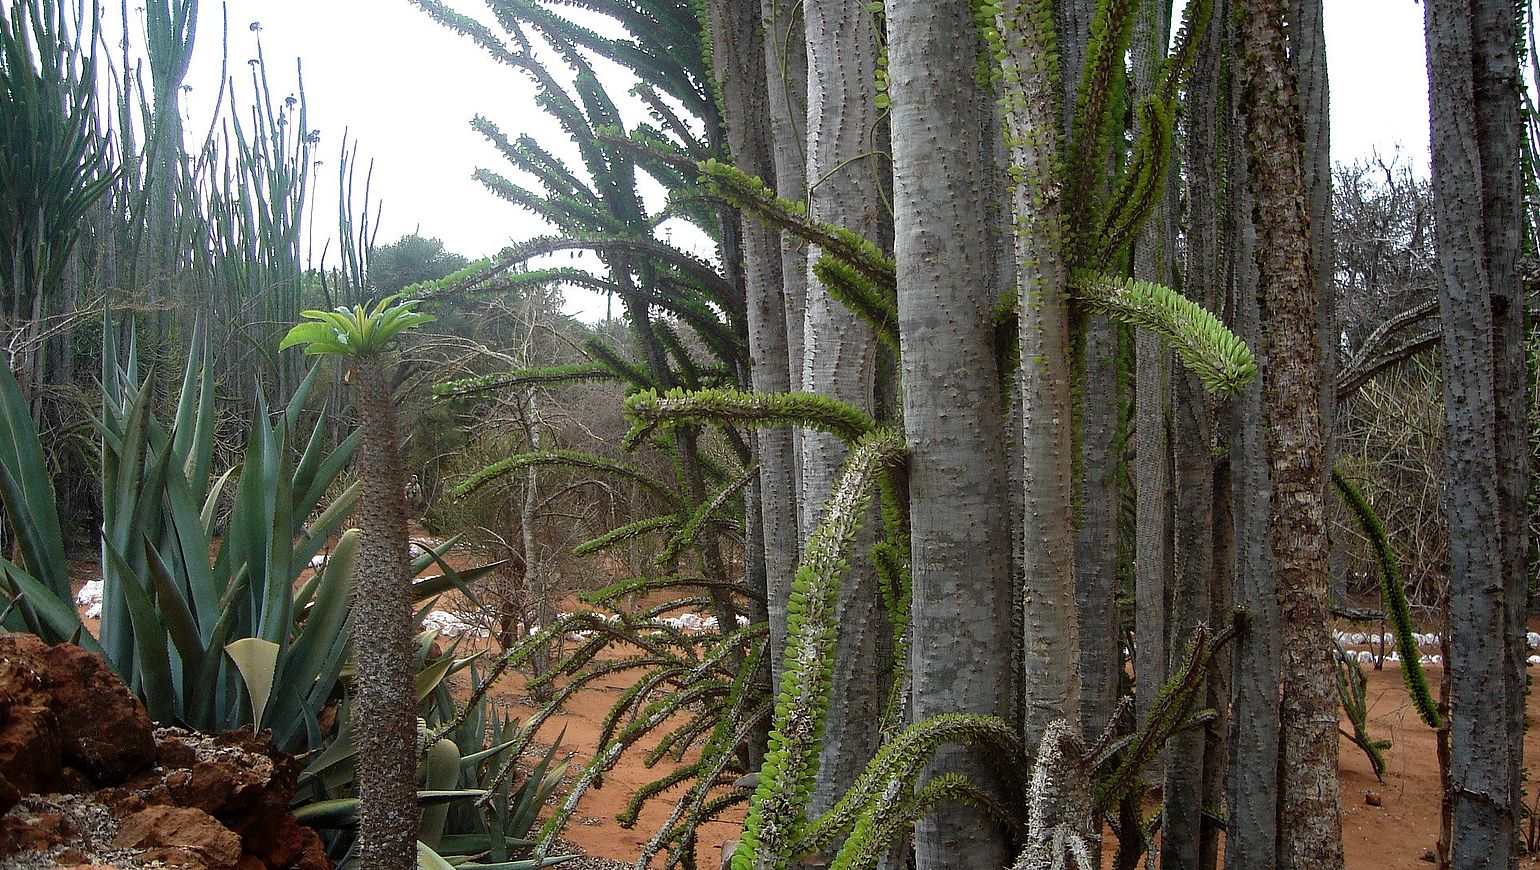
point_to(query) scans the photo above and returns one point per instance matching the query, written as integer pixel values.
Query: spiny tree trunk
(1309, 823)
(1153, 251)
(785, 55)
(385, 715)
(740, 72)
(1192, 444)
(1251, 793)
(952, 403)
(843, 175)
(1031, 96)
(1473, 96)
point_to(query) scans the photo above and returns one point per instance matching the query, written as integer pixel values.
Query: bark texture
(845, 179)
(1153, 565)
(384, 705)
(951, 402)
(1476, 127)
(1251, 794)
(736, 54)
(1192, 444)
(1031, 97)
(1309, 822)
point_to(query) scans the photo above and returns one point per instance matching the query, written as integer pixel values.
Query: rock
(174, 798)
(105, 729)
(29, 748)
(102, 728)
(180, 834)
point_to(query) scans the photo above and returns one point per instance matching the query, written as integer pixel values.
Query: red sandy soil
(1395, 834)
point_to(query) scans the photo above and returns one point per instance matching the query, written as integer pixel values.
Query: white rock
(1533, 639)
(452, 625)
(90, 597)
(1365, 658)
(1533, 660)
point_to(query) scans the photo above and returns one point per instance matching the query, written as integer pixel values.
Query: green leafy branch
(1393, 591)
(808, 410)
(777, 812)
(1200, 340)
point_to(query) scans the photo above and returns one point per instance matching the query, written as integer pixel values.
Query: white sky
(406, 89)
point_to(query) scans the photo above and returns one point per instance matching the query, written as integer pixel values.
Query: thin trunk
(1251, 793)
(1153, 564)
(785, 55)
(844, 176)
(1216, 744)
(736, 47)
(1096, 534)
(951, 404)
(1192, 443)
(382, 631)
(1031, 98)
(1309, 821)
(1473, 96)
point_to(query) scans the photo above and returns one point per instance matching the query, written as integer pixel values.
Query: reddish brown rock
(29, 748)
(180, 834)
(102, 728)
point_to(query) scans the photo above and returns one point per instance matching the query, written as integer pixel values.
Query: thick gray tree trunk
(1192, 444)
(1474, 107)
(1251, 794)
(1031, 99)
(1309, 820)
(845, 178)
(736, 54)
(951, 402)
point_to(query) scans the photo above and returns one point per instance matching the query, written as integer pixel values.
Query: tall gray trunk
(1030, 99)
(1473, 97)
(951, 403)
(844, 177)
(740, 72)
(382, 630)
(1192, 443)
(1153, 565)
(785, 54)
(1309, 820)
(1251, 793)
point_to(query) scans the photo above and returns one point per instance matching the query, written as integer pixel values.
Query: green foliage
(538, 377)
(462, 753)
(807, 410)
(1200, 340)
(410, 260)
(777, 812)
(1352, 691)
(844, 246)
(54, 159)
(355, 332)
(1393, 594)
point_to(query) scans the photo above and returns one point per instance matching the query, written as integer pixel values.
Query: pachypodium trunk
(385, 716)
(740, 72)
(1030, 97)
(1475, 109)
(1309, 821)
(961, 615)
(844, 175)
